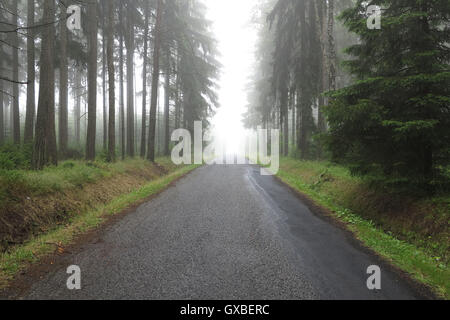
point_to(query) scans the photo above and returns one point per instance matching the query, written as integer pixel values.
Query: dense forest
(375, 100)
(359, 90)
(116, 87)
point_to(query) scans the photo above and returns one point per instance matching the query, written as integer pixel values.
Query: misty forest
(170, 44)
(87, 114)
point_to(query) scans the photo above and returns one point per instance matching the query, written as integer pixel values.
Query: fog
(237, 39)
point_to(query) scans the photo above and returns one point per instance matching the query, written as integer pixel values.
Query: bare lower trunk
(16, 93)
(144, 83)
(45, 151)
(111, 79)
(155, 83)
(167, 106)
(31, 74)
(286, 132)
(2, 120)
(63, 87)
(105, 112)
(293, 123)
(10, 117)
(331, 46)
(121, 93)
(2, 102)
(306, 124)
(284, 123)
(177, 98)
(322, 10)
(129, 41)
(77, 111)
(299, 122)
(92, 81)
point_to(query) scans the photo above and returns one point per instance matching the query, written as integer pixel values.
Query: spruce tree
(393, 123)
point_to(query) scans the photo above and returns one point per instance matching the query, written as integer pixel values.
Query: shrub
(10, 182)
(14, 157)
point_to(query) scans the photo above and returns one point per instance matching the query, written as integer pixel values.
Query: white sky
(237, 41)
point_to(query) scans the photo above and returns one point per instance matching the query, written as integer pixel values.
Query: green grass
(68, 175)
(334, 188)
(17, 258)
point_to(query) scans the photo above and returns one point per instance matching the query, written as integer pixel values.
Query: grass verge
(19, 257)
(410, 233)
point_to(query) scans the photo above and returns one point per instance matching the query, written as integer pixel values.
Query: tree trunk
(31, 75)
(105, 113)
(301, 89)
(2, 120)
(92, 80)
(63, 86)
(121, 93)
(284, 116)
(135, 111)
(45, 150)
(85, 122)
(306, 123)
(77, 111)
(155, 83)
(322, 11)
(331, 46)
(111, 79)
(15, 66)
(177, 98)
(10, 115)
(144, 83)
(2, 101)
(292, 102)
(129, 42)
(299, 120)
(167, 106)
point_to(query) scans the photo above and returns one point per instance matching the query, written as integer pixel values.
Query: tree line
(375, 100)
(168, 42)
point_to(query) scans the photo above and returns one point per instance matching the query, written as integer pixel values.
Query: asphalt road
(223, 232)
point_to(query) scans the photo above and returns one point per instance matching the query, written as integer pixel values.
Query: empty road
(223, 232)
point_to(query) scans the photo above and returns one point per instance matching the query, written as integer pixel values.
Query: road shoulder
(87, 229)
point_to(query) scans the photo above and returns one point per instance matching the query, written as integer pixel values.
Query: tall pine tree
(394, 122)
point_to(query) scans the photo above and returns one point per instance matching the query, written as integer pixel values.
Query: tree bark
(63, 86)
(77, 110)
(121, 93)
(299, 121)
(105, 113)
(2, 111)
(31, 75)
(92, 80)
(45, 151)
(15, 53)
(155, 83)
(167, 105)
(322, 11)
(293, 123)
(177, 97)
(144, 83)
(331, 47)
(284, 119)
(111, 79)
(301, 93)
(2, 101)
(129, 42)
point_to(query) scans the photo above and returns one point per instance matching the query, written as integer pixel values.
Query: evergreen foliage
(393, 122)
